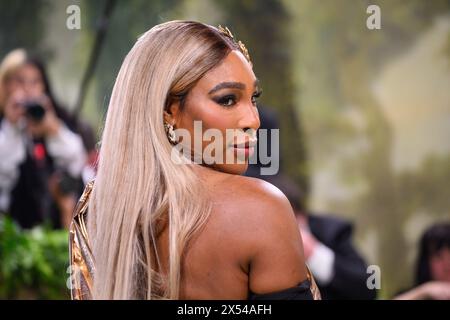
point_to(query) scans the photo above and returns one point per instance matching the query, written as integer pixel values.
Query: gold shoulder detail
(84, 199)
(314, 289)
(81, 258)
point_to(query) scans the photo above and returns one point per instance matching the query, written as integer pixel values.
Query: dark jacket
(350, 270)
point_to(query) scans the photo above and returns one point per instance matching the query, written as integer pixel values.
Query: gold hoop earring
(170, 132)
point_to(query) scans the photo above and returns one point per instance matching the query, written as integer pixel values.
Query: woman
(433, 266)
(41, 157)
(159, 227)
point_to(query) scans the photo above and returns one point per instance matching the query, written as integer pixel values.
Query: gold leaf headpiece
(225, 31)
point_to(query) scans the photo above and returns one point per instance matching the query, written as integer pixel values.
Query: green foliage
(33, 262)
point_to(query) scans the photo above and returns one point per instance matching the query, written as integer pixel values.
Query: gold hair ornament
(225, 31)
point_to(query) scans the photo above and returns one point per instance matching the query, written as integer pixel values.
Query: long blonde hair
(138, 186)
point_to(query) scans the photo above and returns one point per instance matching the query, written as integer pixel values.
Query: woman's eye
(255, 97)
(227, 101)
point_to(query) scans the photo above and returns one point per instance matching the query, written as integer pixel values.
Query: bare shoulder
(269, 233)
(242, 202)
(254, 225)
(260, 200)
(249, 208)
(266, 208)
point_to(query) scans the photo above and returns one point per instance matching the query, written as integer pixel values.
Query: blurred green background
(365, 114)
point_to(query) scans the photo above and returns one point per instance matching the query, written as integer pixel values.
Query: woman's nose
(250, 118)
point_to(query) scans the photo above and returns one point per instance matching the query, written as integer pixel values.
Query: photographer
(41, 158)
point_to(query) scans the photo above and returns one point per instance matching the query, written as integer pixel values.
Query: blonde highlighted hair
(10, 64)
(139, 190)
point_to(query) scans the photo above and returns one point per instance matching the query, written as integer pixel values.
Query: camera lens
(34, 110)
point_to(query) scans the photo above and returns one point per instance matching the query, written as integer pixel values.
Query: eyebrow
(231, 85)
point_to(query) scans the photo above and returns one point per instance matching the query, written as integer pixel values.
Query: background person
(433, 266)
(41, 157)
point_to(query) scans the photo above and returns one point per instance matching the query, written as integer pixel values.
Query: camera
(34, 110)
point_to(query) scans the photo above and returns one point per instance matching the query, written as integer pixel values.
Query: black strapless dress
(302, 291)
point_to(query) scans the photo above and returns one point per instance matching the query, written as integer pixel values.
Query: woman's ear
(172, 114)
